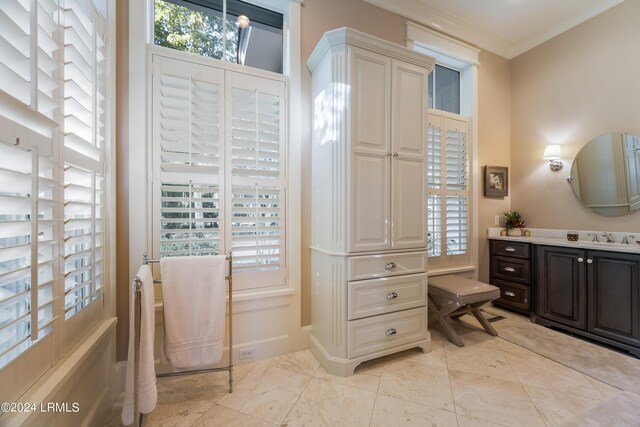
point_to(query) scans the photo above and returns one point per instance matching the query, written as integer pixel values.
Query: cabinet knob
(389, 154)
(390, 331)
(509, 294)
(510, 269)
(392, 295)
(589, 261)
(510, 249)
(395, 154)
(390, 266)
(580, 260)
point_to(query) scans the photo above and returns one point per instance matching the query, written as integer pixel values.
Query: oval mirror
(605, 175)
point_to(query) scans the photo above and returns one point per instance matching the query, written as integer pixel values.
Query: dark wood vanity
(592, 293)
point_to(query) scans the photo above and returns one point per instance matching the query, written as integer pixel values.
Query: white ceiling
(505, 27)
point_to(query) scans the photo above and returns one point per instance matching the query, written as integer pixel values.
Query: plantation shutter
(84, 153)
(447, 187)
(218, 167)
(15, 45)
(256, 134)
(27, 249)
(187, 128)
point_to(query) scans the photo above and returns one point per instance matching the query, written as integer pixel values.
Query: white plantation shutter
(84, 183)
(27, 249)
(15, 45)
(447, 188)
(255, 126)
(188, 119)
(218, 157)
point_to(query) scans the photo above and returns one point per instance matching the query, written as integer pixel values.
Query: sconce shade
(552, 152)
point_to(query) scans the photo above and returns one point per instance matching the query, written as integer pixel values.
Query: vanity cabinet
(594, 293)
(368, 227)
(510, 271)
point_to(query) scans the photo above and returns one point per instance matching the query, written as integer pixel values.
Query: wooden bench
(453, 296)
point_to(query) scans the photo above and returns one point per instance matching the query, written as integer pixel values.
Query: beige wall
(493, 143)
(569, 90)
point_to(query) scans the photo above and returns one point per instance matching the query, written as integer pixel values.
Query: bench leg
(441, 314)
(483, 321)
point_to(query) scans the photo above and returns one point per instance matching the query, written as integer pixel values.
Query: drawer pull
(510, 249)
(580, 259)
(390, 266)
(509, 294)
(589, 261)
(510, 269)
(392, 295)
(390, 331)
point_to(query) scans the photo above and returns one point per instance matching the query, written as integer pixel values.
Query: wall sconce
(553, 154)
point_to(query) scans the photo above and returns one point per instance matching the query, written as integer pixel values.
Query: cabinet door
(561, 285)
(614, 297)
(408, 124)
(370, 151)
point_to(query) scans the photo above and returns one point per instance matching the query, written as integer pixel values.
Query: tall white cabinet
(368, 238)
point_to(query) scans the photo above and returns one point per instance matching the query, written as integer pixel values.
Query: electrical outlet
(247, 353)
(496, 220)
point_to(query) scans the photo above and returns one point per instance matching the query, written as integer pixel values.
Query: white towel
(147, 391)
(193, 290)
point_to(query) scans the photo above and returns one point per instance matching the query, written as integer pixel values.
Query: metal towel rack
(136, 287)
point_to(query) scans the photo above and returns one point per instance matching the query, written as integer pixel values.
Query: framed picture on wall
(496, 181)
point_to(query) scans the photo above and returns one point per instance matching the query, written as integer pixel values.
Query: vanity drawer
(513, 295)
(513, 249)
(511, 269)
(383, 265)
(384, 295)
(385, 331)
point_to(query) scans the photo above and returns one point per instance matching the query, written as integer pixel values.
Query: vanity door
(562, 286)
(614, 296)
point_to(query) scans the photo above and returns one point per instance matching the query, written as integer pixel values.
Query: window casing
(52, 178)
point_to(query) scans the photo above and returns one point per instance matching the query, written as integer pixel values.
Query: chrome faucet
(625, 240)
(594, 235)
(608, 236)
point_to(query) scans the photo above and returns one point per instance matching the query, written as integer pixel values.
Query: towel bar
(136, 288)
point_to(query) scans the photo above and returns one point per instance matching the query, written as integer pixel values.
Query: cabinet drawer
(511, 269)
(513, 295)
(384, 295)
(512, 249)
(371, 266)
(385, 331)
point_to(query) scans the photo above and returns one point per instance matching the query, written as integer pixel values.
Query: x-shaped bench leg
(442, 314)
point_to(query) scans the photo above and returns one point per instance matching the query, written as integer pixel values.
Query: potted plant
(514, 223)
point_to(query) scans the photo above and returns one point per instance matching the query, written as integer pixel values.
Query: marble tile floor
(489, 382)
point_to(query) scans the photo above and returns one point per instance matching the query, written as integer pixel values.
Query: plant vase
(514, 232)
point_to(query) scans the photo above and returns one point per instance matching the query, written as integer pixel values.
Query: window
(444, 89)
(201, 27)
(219, 179)
(52, 182)
(447, 189)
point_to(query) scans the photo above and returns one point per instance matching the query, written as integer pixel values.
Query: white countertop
(540, 236)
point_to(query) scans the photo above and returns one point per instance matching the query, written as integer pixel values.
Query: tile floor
(489, 382)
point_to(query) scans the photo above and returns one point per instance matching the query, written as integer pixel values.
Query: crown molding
(417, 11)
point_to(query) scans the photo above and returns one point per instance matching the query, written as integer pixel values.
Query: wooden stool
(454, 296)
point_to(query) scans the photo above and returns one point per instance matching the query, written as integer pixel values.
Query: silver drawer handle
(510, 249)
(392, 295)
(390, 331)
(580, 259)
(589, 261)
(509, 294)
(510, 269)
(390, 266)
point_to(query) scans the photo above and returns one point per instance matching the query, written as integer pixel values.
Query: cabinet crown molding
(362, 40)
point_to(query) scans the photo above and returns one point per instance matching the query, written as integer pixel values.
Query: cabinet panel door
(369, 202)
(408, 124)
(561, 285)
(614, 298)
